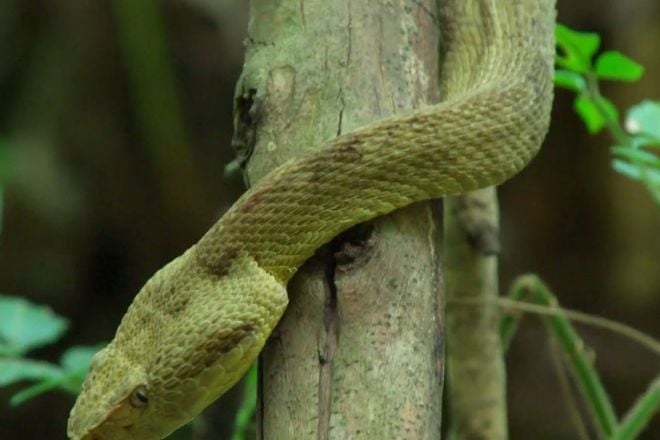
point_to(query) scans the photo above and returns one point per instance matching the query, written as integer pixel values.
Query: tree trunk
(359, 352)
(475, 365)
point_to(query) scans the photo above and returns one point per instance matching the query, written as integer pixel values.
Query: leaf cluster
(580, 69)
(24, 327)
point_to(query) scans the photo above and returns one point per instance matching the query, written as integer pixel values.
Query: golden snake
(200, 322)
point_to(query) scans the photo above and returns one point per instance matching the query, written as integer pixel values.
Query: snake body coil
(200, 322)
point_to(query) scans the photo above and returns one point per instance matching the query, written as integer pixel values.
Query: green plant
(24, 327)
(635, 156)
(577, 357)
(634, 153)
(244, 421)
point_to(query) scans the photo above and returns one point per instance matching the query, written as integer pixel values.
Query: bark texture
(475, 365)
(358, 354)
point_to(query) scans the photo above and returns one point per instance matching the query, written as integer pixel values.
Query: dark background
(105, 181)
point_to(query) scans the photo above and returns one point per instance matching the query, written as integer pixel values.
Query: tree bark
(358, 354)
(475, 364)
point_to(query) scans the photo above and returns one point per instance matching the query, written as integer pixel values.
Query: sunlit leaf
(575, 48)
(644, 118)
(595, 115)
(569, 80)
(617, 66)
(25, 326)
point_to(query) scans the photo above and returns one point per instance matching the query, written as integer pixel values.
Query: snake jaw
(105, 396)
(121, 419)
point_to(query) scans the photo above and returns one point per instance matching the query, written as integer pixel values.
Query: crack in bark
(350, 35)
(302, 14)
(430, 13)
(245, 125)
(341, 111)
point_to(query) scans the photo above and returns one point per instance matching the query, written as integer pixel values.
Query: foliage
(635, 156)
(635, 149)
(579, 360)
(24, 327)
(247, 410)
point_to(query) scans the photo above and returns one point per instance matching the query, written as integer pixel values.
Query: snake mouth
(98, 434)
(95, 434)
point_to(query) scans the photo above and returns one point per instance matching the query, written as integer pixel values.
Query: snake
(200, 322)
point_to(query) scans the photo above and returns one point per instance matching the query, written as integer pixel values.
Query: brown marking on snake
(349, 149)
(226, 341)
(223, 264)
(251, 202)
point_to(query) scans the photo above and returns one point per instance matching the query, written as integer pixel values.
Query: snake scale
(200, 322)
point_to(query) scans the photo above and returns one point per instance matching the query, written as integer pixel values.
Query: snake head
(143, 387)
(118, 402)
(121, 400)
(187, 338)
(113, 398)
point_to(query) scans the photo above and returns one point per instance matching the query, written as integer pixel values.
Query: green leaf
(637, 156)
(644, 118)
(644, 141)
(247, 409)
(595, 114)
(75, 363)
(575, 48)
(570, 80)
(14, 370)
(33, 391)
(615, 65)
(636, 173)
(636, 420)
(25, 326)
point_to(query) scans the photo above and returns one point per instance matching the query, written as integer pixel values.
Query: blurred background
(115, 129)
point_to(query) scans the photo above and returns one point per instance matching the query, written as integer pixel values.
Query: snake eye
(139, 397)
